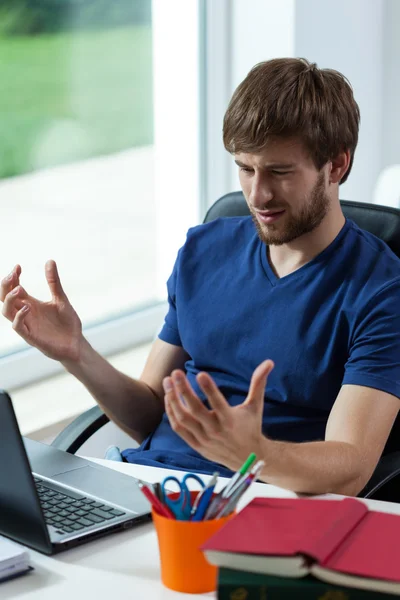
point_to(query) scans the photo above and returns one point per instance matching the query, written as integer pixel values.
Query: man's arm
(136, 406)
(356, 433)
(55, 329)
(357, 429)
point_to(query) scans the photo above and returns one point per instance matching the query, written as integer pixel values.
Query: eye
(246, 169)
(280, 172)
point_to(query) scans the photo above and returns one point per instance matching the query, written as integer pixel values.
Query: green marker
(239, 474)
(221, 499)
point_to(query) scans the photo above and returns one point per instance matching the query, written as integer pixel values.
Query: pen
(203, 499)
(158, 491)
(221, 499)
(238, 475)
(199, 495)
(229, 506)
(238, 492)
(155, 502)
(255, 470)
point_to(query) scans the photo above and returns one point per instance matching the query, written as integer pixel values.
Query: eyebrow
(270, 166)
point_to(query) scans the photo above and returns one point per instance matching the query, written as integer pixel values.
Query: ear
(339, 166)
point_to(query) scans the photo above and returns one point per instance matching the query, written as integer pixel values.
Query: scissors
(181, 506)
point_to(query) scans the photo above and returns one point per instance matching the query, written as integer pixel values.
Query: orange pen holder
(184, 567)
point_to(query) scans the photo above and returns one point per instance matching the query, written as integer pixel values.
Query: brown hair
(293, 97)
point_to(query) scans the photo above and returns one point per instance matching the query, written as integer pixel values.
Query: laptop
(51, 500)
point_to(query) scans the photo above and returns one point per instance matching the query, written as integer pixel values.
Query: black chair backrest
(382, 221)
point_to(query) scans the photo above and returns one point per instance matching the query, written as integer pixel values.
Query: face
(286, 194)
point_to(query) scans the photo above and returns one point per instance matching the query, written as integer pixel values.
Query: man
(282, 335)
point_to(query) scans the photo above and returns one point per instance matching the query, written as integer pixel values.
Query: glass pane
(76, 152)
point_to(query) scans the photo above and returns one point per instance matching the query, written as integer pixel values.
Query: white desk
(120, 566)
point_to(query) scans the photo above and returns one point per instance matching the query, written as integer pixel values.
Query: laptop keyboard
(69, 513)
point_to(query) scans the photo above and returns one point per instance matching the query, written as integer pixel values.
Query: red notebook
(338, 541)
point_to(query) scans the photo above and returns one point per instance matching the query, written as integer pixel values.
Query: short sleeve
(374, 358)
(170, 330)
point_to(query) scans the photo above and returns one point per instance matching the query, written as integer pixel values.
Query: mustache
(268, 209)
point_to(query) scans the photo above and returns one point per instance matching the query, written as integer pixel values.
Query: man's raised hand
(53, 327)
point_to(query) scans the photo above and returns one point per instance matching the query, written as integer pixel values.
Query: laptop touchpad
(107, 485)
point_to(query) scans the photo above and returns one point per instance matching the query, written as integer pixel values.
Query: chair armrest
(386, 471)
(76, 433)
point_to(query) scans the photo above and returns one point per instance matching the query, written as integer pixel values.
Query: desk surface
(123, 565)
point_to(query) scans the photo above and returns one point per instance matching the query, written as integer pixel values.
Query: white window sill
(43, 409)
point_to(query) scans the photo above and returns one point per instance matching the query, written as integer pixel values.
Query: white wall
(391, 84)
(350, 36)
(261, 29)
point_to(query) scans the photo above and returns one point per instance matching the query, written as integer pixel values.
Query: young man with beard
(283, 330)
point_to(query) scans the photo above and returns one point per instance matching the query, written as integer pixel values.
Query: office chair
(382, 221)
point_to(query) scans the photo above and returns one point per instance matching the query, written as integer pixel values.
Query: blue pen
(199, 495)
(204, 499)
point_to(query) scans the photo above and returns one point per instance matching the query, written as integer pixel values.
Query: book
(242, 585)
(14, 559)
(337, 541)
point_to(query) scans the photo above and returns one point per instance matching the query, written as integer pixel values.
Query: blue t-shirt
(334, 321)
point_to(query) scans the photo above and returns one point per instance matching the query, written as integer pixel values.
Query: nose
(261, 193)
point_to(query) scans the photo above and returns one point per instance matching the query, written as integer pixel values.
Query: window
(99, 160)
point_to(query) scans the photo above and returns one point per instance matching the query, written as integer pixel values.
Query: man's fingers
(9, 282)
(179, 428)
(53, 280)
(13, 302)
(214, 396)
(183, 419)
(184, 390)
(19, 324)
(259, 381)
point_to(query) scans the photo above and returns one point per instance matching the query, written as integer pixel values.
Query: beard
(314, 209)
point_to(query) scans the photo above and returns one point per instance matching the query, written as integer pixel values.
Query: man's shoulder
(216, 242)
(371, 269)
(372, 253)
(220, 230)
(371, 242)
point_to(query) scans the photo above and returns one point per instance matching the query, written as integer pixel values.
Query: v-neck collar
(324, 255)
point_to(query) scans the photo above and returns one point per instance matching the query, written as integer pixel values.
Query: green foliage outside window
(32, 17)
(73, 88)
